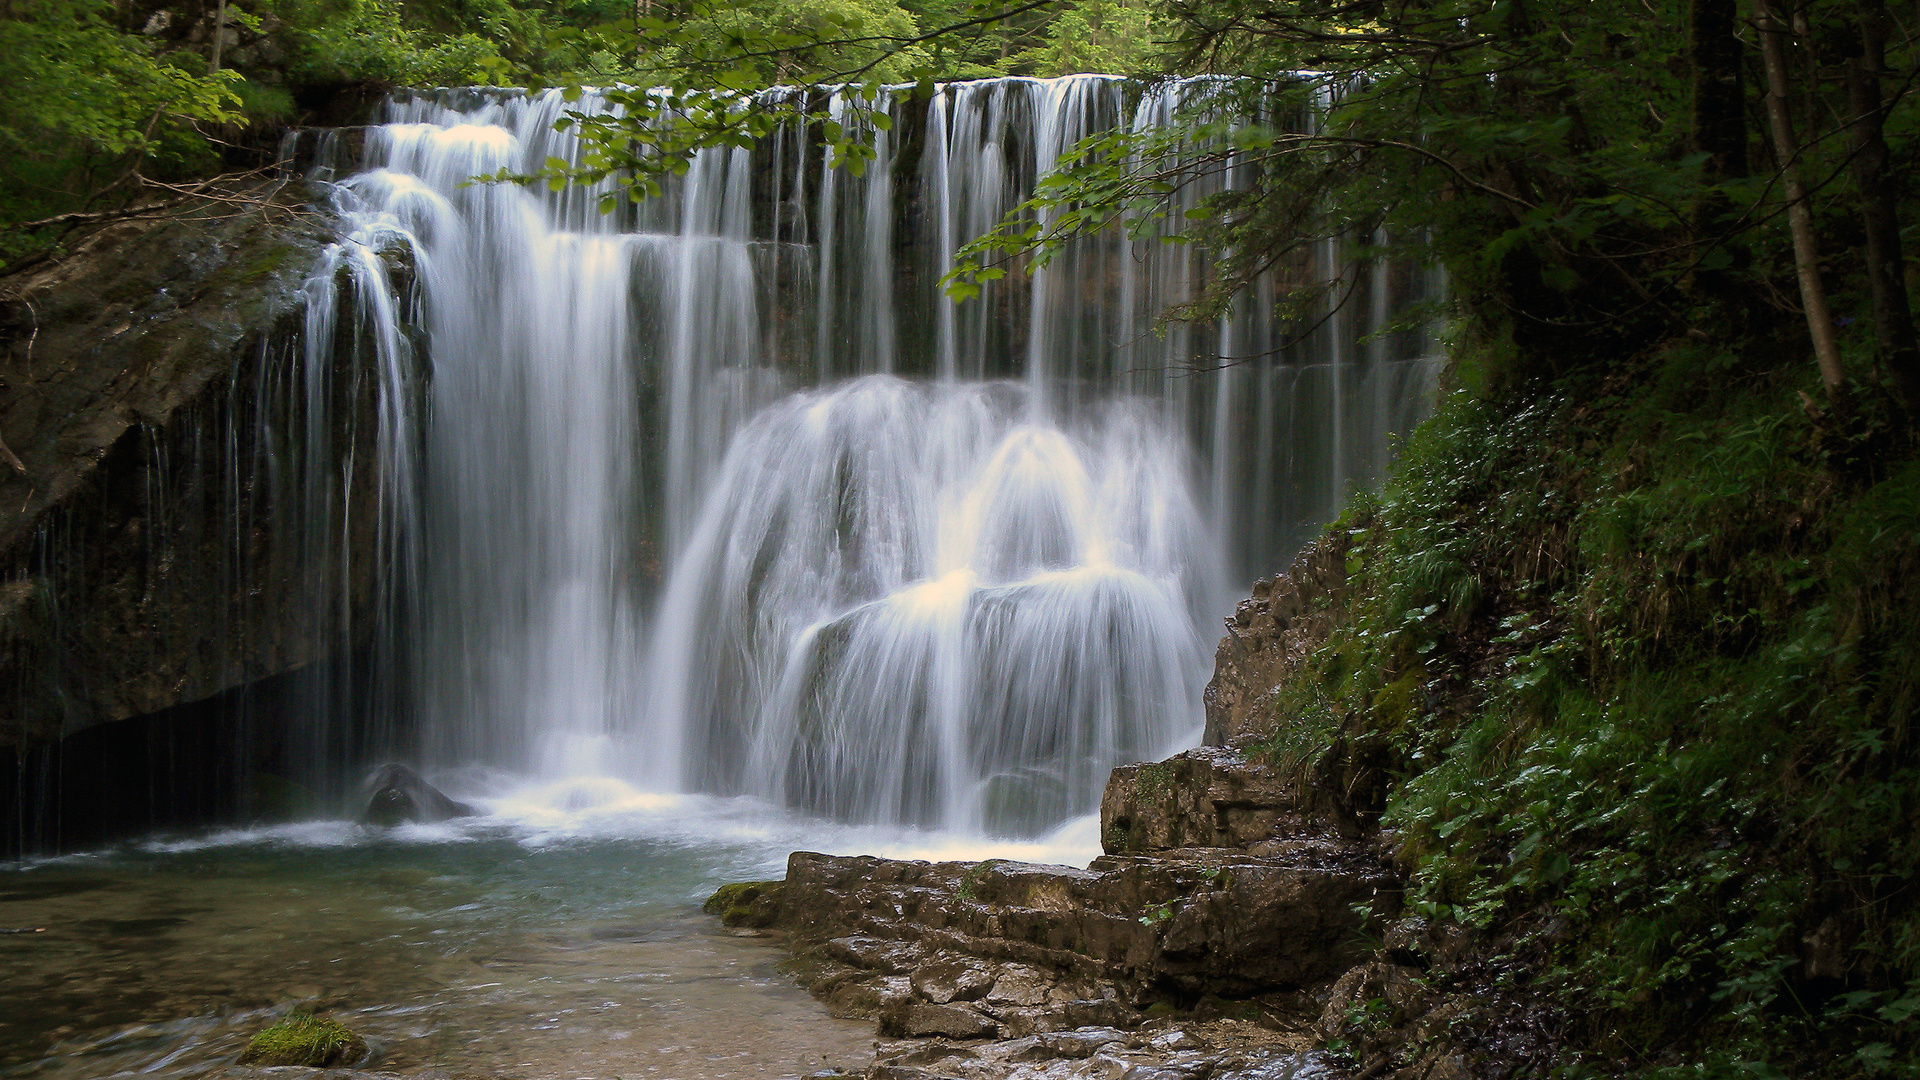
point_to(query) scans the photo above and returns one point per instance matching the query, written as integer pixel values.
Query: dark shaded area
(275, 750)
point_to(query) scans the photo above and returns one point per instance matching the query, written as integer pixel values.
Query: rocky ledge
(1223, 934)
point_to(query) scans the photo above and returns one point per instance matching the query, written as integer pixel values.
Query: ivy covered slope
(1626, 664)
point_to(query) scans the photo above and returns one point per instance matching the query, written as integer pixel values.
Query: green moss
(304, 1039)
(968, 886)
(1153, 782)
(746, 903)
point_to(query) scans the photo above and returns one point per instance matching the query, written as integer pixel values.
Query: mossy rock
(746, 903)
(304, 1039)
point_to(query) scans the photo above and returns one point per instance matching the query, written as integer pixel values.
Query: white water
(717, 494)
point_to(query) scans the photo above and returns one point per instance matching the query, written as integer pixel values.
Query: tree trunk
(1806, 255)
(1886, 267)
(219, 33)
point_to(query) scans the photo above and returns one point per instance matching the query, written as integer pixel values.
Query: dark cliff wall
(161, 543)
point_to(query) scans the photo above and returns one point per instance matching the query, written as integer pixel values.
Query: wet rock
(1194, 921)
(751, 904)
(1373, 986)
(900, 1072)
(1206, 797)
(1163, 1072)
(1287, 617)
(132, 373)
(875, 954)
(953, 980)
(1105, 1012)
(1174, 1041)
(1080, 1042)
(400, 795)
(1312, 1065)
(1019, 985)
(1020, 1023)
(922, 1020)
(929, 1053)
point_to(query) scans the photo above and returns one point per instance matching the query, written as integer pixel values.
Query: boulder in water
(400, 795)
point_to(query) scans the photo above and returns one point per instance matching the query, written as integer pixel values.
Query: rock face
(1222, 896)
(1208, 797)
(1130, 928)
(152, 549)
(1287, 617)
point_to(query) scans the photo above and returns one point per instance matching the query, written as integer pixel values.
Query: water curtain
(719, 492)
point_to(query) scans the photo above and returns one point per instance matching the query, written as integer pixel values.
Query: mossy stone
(746, 903)
(304, 1039)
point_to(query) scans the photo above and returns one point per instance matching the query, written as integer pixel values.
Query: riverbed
(556, 935)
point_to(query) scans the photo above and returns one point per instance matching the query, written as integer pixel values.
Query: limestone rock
(133, 371)
(923, 1019)
(876, 954)
(953, 980)
(1193, 921)
(1206, 797)
(1287, 617)
(1019, 984)
(1080, 1042)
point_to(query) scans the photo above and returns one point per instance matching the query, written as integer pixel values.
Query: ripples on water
(557, 935)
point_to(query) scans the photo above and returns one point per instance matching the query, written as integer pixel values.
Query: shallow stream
(556, 936)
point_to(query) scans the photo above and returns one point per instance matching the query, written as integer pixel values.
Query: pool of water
(557, 935)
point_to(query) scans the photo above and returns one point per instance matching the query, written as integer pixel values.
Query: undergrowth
(1628, 668)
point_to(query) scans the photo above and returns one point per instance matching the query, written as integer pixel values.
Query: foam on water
(743, 832)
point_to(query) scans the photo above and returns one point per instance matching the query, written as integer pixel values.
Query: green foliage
(373, 41)
(800, 41)
(91, 85)
(968, 887)
(304, 1039)
(706, 71)
(1119, 37)
(92, 103)
(1661, 751)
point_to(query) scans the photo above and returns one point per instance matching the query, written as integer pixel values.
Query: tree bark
(1806, 254)
(1899, 355)
(219, 33)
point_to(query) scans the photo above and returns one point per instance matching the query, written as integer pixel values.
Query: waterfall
(718, 492)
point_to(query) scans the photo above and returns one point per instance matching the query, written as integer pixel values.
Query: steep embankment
(1624, 668)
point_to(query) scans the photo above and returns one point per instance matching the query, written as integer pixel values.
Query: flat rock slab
(1019, 935)
(1207, 1050)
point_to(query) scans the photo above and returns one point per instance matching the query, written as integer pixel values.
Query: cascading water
(719, 493)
